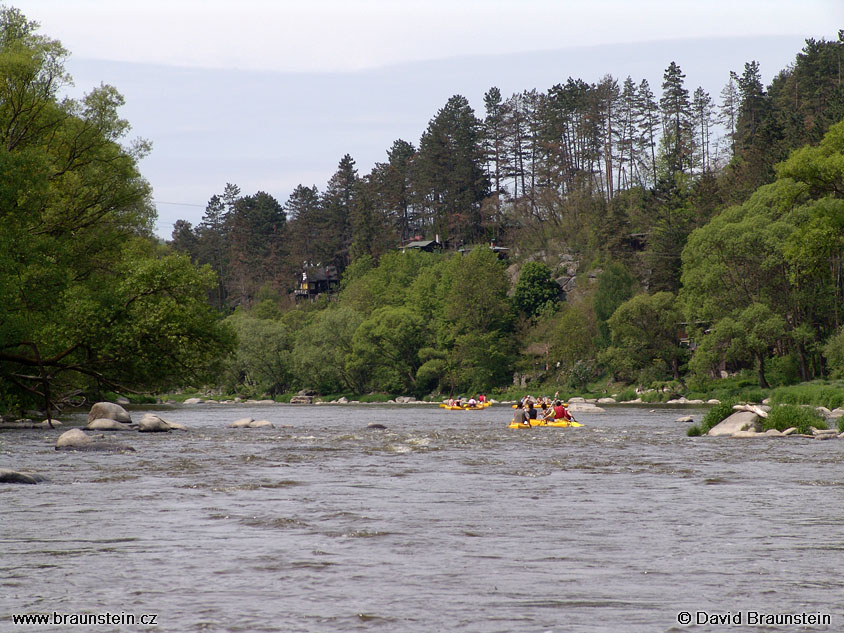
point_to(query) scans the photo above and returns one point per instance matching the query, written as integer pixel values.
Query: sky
(329, 73)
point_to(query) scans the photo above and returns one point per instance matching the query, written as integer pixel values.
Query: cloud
(325, 35)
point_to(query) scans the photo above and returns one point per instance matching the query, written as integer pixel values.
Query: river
(445, 521)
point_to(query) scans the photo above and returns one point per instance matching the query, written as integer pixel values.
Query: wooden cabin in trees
(429, 246)
(317, 280)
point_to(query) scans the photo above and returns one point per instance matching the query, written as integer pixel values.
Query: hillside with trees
(608, 233)
(640, 222)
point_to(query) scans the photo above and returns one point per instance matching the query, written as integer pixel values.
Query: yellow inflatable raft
(557, 423)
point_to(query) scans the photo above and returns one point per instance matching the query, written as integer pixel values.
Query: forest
(588, 237)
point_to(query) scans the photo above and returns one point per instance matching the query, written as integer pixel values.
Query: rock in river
(250, 423)
(107, 424)
(110, 411)
(737, 422)
(152, 423)
(16, 477)
(78, 440)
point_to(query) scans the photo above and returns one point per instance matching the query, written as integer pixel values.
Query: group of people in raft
(471, 403)
(542, 409)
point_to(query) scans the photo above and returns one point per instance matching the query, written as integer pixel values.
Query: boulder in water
(152, 423)
(107, 424)
(16, 477)
(110, 411)
(78, 440)
(251, 423)
(737, 422)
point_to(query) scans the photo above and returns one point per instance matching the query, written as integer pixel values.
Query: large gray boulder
(152, 423)
(109, 411)
(78, 440)
(584, 407)
(251, 423)
(737, 422)
(107, 424)
(16, 477)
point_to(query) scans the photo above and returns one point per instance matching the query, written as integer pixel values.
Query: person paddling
(520, 416)
(561, 411)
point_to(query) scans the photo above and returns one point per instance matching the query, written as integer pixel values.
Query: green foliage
(475, 299)
(448, 176)
(833, 351)
(787, 416)
(482, 361)
(572, 336)
(645, 329)
(626, 395)
(830, 396)
(717, 414)
(535, 289)
(88, 301)
(322, 350)
(581, 374)
(263, 360)
(386, 347)
(615, 286)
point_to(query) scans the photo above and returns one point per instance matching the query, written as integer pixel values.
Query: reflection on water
(445, 521)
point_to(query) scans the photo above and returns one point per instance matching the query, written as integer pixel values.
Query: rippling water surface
(445, 521)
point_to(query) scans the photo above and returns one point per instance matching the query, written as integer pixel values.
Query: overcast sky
(316, 37)
(309, 35)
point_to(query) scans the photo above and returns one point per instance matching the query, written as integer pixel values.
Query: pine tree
(625, 135)
(607, 98)
(304, 224)
(337, 203)
(703, 107)
(257, 246)
(391, 182)
(449, 178)
(648, 121)
(212, 236)
(728, 111)
(493, 140)
(676, 114)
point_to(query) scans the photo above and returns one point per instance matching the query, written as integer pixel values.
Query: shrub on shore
(716, 414)
(788, 415)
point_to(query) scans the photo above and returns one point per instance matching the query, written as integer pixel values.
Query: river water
(445, 521)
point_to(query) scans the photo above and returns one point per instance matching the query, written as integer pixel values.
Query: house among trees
(316, 280)
(429, 246)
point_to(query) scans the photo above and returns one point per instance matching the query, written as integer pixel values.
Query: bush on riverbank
(789, 415)
(714, 416)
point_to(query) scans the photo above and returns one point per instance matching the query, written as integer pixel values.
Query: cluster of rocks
(192, 401)
(110, 417)
(28, 423)
(251, 423)
(747, 422)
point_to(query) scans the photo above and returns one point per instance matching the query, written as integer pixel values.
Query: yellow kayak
(557, 423)
(457, 407)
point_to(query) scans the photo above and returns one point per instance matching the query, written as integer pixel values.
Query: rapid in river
(442, 521)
